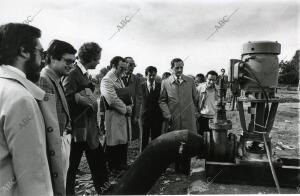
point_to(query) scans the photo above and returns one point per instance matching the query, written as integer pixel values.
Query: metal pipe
(156, 157)
(271, 165)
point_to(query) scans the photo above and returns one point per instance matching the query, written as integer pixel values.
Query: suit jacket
(150, 108)
(50, 83)
(115, 120)
(134, 85)
(84, 124)
(179, 101)
(30, 152)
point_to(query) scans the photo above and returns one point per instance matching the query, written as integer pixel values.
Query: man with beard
(83, 110)
(59, 62)
(25, 114)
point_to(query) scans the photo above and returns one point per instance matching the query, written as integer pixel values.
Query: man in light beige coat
(178, 102)
(29, 129)
(115, 119)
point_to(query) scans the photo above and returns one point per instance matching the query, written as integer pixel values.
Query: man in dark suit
(83, 111)
(151, 116)
(134, 84)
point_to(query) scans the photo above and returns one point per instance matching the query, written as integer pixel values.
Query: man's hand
(128, 110)
(168, 118)
(136, 119)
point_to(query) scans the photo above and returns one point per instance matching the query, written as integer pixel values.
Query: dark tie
(126, 80)
(178, 80)
(151, 88)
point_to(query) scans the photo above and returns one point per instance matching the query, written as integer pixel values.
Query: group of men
(48, 117)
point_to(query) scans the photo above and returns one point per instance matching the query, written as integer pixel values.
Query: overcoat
(30, 141)
(115, 120)
(179, 101)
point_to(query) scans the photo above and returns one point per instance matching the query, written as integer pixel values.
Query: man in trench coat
(116, 122)
(30, 150)
(178, 102)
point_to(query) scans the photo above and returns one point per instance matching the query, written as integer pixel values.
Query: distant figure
(151, 116)
(158, 79)
(178, 102)
(165, 75)
(226, 82)
(199, 79)
(141, 77)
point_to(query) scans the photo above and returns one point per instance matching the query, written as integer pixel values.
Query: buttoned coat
(179, 101)
(30, 142)
(115, 120)
(49, 82)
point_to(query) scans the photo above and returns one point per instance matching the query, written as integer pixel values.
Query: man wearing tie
(151, 116)
(134, 84)
(178, 102)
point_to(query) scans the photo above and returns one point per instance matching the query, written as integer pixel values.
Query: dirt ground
(285, 143)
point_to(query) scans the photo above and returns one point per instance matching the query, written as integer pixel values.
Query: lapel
(33, 89)
(157, 87)
(61, 93)
(118, 82)
(145, 88)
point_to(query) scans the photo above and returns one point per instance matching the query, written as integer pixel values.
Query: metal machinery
(249, 159)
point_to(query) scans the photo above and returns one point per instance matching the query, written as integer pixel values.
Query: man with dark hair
(199, 79)
(60, 60)
(83, 110)
(116, 122)
(151, 116)
(178, 101)
(207, 101)
(134, 84)
(26, 113)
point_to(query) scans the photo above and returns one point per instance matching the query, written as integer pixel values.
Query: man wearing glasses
(134, 84)
(59, 62)
(26, 116)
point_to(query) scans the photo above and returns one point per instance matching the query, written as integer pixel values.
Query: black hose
(157, 156)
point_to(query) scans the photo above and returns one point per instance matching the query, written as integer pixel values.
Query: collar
(51, 73)
(113, 75)
(82, 68)
(174, 78)
(148, 84)
(9, 72)
(203, 87)
(16, 70)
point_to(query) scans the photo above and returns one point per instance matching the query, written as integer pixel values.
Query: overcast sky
(162, 30)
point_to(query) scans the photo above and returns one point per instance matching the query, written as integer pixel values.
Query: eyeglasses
(41, 51)
(131, 64)
(69, 61)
